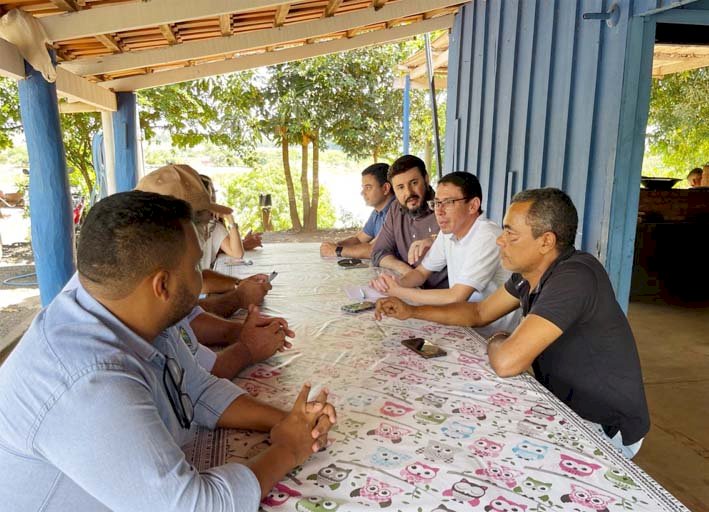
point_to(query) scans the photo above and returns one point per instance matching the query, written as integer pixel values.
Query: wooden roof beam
(331, 8)
(109, 42)
(109, 64)
(225, 24)
(158, 79)
(136, 15)
(281, 15)
(168, 34)
(66, 5)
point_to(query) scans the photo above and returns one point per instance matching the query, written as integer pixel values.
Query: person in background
(574, 333)
(376, 191)
(225, 294)
(694, 178)
(410, 226)
(97, 398)
(225, 236)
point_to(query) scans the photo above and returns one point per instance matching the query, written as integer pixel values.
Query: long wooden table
(442, 434)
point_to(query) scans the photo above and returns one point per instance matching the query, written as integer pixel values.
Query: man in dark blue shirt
(377, 193)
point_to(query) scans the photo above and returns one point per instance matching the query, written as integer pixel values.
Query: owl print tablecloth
(414, 434)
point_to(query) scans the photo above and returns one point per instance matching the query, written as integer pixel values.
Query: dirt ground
(19, 298)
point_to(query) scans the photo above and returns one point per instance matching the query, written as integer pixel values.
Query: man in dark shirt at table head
(410, 227)
(574, 334)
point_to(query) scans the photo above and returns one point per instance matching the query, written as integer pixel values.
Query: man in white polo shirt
(466, 245)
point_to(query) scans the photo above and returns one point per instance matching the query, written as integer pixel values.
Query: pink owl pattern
(412, 378)
(393, 433)
(469, 410)
(279, 495)
(500, 473)
(502, 399)
(418, 472)
(469, 373)
(501, 504)
(577, 467)
(264, 373)
(377, 491)
(588, 498)
(484, 447)
(464, 359)
(394, 410)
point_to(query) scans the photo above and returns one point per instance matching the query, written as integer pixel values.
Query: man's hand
(252, 241)
(327, 250)
(418, 250)
(252, 290)
(386, 284)
(264, 336)
(391, 306)
(305, 422)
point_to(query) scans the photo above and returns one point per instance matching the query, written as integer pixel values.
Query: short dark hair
(551, 210)
(405, 163)
(379, 171)
(696, 170)
(129, 235)
(467, 182)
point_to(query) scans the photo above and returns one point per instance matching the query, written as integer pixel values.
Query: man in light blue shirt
(99, 394)
(377, 193)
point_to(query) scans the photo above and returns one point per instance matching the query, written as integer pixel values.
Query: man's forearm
(358, 250)
(271, 465)
(250, 414)
(413, 278)
(353, 240)
(460, 313)
(394, 263)
(231, 361)
(432, 297)
(214, 282)
(214, 330)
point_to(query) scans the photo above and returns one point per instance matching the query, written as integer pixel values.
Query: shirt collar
(384, 210)
(131, 341)
(563, 256)
(469, 234)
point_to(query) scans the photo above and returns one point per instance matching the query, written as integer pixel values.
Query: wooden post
(50, 198)
(125, 136)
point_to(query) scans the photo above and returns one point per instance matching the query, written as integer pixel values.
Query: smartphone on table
(424, 348)
(358, 307)
(352, 263)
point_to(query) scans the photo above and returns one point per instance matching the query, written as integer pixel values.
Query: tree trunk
(375, 154)
(313, 226)
(428, 154)
(304, 187)
(292, 206)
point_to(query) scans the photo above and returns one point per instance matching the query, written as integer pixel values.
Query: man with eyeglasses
(97, 398)
(410, 226)
(574, 333)
(465, 246)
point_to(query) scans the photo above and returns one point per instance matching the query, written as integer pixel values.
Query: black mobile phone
(424, 348)
(352, 263)
(358, 307)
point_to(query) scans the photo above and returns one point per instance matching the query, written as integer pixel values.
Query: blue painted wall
(125, 136)
(50, 200)
(539, 97)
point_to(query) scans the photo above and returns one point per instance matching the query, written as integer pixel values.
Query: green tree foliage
(10, 123)
(678, 131)
(219, 110)
(77, 132)
(421, 128)
(242, 194)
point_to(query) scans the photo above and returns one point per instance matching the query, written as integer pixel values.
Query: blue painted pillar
(407, 110)
(125, 136)
(50, 199)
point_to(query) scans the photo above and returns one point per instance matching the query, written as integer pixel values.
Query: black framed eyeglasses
(445, 203)
(172, 377)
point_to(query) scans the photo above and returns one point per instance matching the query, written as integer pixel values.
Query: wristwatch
(338, 251)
